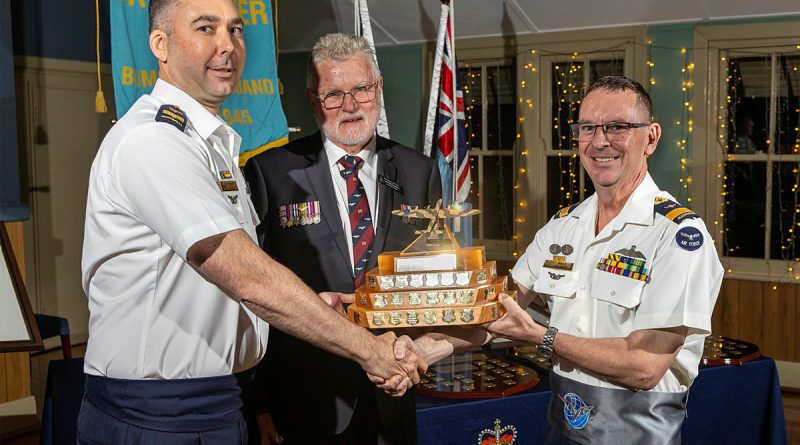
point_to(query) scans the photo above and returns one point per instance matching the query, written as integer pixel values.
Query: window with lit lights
(491, 125)
(749, 163)
(567, 183)
(760, 127)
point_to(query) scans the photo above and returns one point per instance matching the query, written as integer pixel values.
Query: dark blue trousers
(162, 412)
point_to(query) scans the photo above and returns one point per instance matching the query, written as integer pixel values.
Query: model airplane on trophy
(433, 281)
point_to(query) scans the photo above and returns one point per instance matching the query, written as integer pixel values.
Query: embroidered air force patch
(689, 238)
(172, 115)
(576, 411)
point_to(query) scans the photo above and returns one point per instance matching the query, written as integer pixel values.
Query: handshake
(396, 364)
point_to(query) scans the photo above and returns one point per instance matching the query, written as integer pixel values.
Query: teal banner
(253, 110)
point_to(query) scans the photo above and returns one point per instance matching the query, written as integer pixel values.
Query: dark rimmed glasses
(613, 131)
(361, 94)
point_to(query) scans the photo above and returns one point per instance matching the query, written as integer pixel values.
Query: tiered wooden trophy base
(431, 283)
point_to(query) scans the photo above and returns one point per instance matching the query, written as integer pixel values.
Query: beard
(354, 133)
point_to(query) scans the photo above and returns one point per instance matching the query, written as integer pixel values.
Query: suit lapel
(318, 174)
(387, 169)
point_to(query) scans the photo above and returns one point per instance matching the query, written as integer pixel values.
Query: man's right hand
(269, 434)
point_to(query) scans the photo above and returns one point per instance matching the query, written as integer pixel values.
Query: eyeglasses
(361, 94)
(613, 131)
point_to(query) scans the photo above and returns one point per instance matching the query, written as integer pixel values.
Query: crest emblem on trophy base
(432, 282)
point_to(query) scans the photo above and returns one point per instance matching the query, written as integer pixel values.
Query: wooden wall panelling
(750, 316)
(3, 374)
(15, 368)
(776, 321)
(753, 311)
(729, 296)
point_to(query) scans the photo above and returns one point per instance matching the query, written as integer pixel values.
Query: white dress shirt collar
(367, 154)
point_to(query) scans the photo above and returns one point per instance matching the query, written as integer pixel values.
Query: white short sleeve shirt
(644, 270)
(156, 189)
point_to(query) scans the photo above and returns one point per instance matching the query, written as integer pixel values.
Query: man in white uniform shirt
(178, 290)
(630, 277)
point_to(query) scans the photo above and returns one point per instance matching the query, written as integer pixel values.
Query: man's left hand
(516, 324)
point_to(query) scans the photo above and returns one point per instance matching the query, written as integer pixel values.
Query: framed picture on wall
(18, 331)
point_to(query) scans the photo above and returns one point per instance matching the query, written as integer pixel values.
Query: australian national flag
(448, 131)
(446, 119)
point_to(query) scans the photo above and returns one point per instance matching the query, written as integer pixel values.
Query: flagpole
(454, 69)
(364, 28)
(433, 97)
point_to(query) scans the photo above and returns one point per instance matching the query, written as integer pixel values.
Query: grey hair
(338, 47)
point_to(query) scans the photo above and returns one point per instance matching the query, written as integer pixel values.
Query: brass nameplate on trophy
(379, 282)
(422, 299)
(719, 350)
(479, 313)
(433, 282)
(476, 375)
(441, 261)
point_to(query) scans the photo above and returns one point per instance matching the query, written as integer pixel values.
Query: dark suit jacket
(308, 388)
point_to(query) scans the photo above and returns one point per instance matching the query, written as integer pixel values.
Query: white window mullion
(772, 143)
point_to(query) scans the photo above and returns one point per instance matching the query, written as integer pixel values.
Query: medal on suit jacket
(406, 209)
(300, 214)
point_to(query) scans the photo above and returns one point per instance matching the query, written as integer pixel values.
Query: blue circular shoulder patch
(689, 238)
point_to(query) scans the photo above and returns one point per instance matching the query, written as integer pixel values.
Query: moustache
(352, 115)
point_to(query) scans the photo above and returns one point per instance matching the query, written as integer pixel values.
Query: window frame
(534, 101)
(708, 156)
(495, 248)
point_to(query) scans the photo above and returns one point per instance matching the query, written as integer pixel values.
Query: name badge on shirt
(228, 186)
(556, 264)
(389, 183)
(300, 214)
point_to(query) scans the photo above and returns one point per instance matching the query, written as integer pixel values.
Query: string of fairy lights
(472, 78)
(567, 88)
(735, 130)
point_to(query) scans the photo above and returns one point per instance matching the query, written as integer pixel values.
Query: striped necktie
(361, 232)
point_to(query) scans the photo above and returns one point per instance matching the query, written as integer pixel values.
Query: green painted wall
(401, 67)
(668, 103)
(667, 97)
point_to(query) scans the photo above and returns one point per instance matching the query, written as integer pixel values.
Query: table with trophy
(435, 282)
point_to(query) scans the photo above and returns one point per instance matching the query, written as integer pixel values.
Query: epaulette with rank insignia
(672, 210)
(172, 115)
(565, 211)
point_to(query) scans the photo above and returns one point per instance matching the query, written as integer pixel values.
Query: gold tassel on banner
(99, 99)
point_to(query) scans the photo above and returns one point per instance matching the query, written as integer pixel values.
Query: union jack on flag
(447, 132)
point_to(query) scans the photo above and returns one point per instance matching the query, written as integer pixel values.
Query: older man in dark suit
(325, 205)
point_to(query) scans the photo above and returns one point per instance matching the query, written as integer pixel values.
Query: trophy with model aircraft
(433, 281)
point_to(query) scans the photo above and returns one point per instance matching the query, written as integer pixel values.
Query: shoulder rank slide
(672, 210)
(565, 211)
(172, 115)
